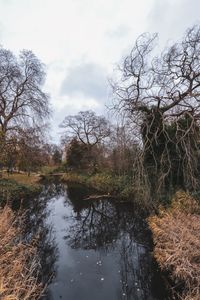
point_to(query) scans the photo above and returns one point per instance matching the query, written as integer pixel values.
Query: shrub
(176, 234)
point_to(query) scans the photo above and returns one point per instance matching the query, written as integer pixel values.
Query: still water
(94, 250)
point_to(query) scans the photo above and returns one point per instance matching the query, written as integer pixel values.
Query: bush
(176, 234)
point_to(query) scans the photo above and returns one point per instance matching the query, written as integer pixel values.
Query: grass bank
(120, 186)
(18, 187)
(23, 178)
(176, 235)
(19, 264)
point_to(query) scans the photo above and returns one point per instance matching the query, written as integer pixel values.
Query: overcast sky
(81, 41)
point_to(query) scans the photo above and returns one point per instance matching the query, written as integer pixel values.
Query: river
(92, 250)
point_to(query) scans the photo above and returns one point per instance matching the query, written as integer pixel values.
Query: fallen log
(96, 197)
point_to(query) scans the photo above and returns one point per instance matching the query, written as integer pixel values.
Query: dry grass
(18, 262)
(22, 178)
(176, 234)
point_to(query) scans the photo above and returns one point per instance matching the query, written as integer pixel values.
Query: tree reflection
(37, 229)
(104, 225)
(108, 225)
(95, 227)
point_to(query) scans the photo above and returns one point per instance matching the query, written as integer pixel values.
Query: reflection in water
(96, 250)
(36, 228)
(113, 226)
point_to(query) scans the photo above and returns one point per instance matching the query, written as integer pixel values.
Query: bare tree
(122, 148)
(87, 127)
(162, 97)
(22, 100)
(32, 153)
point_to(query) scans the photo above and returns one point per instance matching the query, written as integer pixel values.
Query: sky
(82, 41)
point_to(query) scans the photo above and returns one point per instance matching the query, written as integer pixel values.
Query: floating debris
(102, 279)
(99, 263)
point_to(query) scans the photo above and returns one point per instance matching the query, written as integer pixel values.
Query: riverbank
(23, 178)
(177, 245)
(18, 187)
(120, 186)
(176, 235)
(19, 264)
(175, 230)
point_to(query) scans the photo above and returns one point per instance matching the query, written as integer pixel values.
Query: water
(95, 250)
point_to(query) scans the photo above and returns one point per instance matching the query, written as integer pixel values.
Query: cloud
(120, 32)
(88, 80)
(7, 2)
(171, 18)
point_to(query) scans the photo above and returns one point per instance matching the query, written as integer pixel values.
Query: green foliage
(114, 185)
(79, 155)
(10, 190)
(46, 170)
(74, 178)
(103, 182)
(128, 191)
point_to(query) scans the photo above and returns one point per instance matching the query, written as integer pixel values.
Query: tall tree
(87, 132)
(157, 92)
(23, 103)
(22, 100)
(87, 127)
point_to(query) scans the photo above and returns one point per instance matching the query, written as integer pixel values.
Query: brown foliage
(176, 234)
(18, 262)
